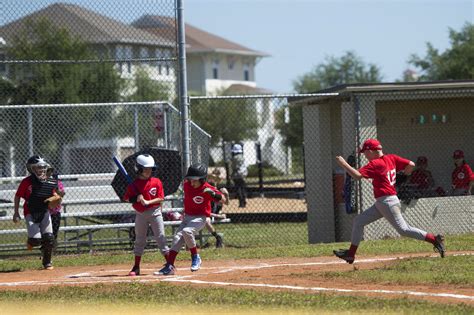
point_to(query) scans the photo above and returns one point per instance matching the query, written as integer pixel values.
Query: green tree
(144, 90)
(346, 69)
(455, 63)
(228, 120)
(53, 83)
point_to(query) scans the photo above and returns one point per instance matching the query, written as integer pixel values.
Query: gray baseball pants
(388, 207)
(154, 219)
(36, 230)
(190, 226)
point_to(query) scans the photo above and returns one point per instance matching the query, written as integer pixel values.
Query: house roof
(88, 25)
(197, 40)
(337, 90)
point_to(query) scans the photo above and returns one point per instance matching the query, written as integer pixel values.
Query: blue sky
(299, 34)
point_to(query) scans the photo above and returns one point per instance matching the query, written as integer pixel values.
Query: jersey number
(392, 177)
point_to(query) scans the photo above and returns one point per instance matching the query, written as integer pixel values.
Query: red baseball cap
(370, 144)
(458, 154)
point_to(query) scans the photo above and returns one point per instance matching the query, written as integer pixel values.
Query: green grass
(199, 297)
(453, 270)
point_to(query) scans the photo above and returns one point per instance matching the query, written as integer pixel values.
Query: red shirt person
(198, 195)
(382, 169)
(462, 177)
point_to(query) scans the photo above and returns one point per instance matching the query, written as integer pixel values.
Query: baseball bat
(122, 170)
(125, 173)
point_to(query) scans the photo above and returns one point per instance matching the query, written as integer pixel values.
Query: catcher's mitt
(54, 201)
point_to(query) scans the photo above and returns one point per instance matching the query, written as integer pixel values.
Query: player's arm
(154, 201)
(16, 214)
(215, 194)
(349, 169)
(409, 168)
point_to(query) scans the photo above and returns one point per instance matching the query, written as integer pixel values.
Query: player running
(382, 169)
(198, 195)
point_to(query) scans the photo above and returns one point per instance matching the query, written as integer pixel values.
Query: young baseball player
(462, 176)
(382, 169)
(39, 193)
(198, 195)
(146, 195)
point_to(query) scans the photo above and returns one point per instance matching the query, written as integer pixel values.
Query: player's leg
(141, 228)
(34, 233)
(368, 216)
(390, 208)
(158, 228)
(56, 222)
(47, 240)
(178, 242)
(195, 224)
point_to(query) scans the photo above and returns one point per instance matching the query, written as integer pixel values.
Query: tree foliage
(349, 68)
(228, 120)
(456, 63)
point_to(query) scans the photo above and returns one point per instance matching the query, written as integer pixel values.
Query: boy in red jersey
(198, 195)
(462, 176)
(146, 194)
(382, 169)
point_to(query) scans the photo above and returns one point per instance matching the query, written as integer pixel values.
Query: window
(215, 69)
(246, 75)
(247, 72)
(230, 63)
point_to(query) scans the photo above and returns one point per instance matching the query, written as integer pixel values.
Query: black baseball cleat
(134, 272)
(344, 255)
(439, 245)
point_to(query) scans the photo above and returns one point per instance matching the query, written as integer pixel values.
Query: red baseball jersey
(383, 172)
(24, 191)
(421, 178)
(196, 201)
(461, 176)
(150, 188)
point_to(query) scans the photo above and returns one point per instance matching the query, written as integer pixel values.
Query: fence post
(260, 168)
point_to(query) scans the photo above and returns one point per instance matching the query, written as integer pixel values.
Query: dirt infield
(288, 274)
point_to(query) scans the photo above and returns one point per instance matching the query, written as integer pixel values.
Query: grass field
(140, 298)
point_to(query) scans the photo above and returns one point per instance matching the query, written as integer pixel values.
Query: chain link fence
(80, 85)
(426, 124)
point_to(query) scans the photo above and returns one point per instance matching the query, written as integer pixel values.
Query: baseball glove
(54, 201)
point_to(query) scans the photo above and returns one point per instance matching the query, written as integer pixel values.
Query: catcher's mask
(145, 160)
(37, 166)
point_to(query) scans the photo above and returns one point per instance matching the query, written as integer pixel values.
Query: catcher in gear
(39, 192)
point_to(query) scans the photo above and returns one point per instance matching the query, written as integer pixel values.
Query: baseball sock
(430, 238)
(137, 260)
(194, 251)
(171, 257)
(352, 250)
(214, 234)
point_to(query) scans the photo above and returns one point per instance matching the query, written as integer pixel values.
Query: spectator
(239, 172)
(462, 177)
